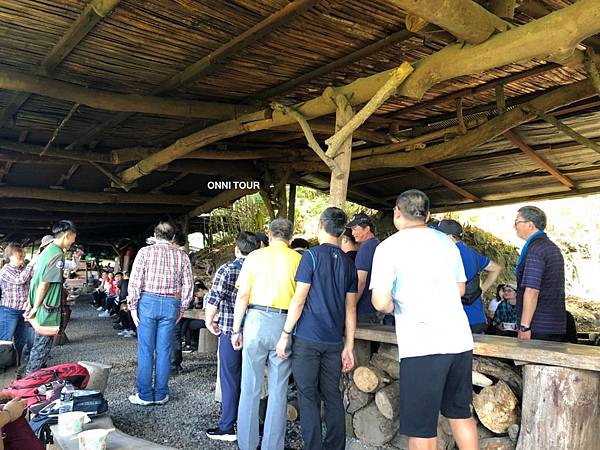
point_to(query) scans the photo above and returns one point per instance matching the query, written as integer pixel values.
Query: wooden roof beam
(448, 183)
(93, 13)
(225, 198)
(451, 62)
(465, 19)
(26, 205)
(112, 101)
(209, 63)
(66, 176)
(541, 162)
(465, 144)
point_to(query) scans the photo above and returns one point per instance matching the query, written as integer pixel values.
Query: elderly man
(265, 287)
(160, 290)
(362, 230)
(474, 263)
(540, 280)
(45, 292)
(418, 274)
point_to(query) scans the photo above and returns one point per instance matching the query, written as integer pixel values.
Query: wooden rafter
(158, 189)
(451, 62)
(112, 101)
(67, 175)
(541, 162)
(210, 62)
(60, 126)
(222, 199)
(93, 13)
(26, 205)
(448, 183)
(4, 170)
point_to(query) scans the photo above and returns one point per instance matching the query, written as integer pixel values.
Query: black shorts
(433, 384)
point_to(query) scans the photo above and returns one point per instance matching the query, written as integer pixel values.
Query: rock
(497, 443)
(513, 432)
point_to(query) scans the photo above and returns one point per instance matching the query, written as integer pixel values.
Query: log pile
(372, 392)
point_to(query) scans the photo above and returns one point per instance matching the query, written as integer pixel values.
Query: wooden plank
(540, 352)
(541, 162)
(446, 182)
(93, 13)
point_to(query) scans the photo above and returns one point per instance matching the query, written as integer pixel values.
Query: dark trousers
(317, 369)
(230, 374)
(176, 355)
(39, 353)
(190, 328)
(126, 320)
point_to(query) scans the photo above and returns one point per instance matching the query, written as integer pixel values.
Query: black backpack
(472, 289)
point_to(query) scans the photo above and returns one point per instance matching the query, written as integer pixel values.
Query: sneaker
(127, 334)
(219, 435)
(104, 314)
(163, 401)
(121, 333)
(187, 349)
(99, 308)
(136, 400)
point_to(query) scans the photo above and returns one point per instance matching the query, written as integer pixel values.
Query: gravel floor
(181, 423)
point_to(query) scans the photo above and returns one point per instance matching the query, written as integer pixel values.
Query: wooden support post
(505, 9)
(462, 127)
(561, 408)
(541, 162)
(186, 231)
(500, 98)
(592, 70)
(562, 127)
(292, 204)
(339, 185)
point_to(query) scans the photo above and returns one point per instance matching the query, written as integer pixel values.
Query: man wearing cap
(265, 285)
(362, 230)
(45, 293)
(474, 263)
(540, 275)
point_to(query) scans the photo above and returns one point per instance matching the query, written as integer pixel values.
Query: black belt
(268, 309)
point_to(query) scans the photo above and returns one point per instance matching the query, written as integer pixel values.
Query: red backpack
(27, 388)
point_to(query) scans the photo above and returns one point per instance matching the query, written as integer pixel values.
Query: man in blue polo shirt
(324, 301)
(362, 230)
(474, 263)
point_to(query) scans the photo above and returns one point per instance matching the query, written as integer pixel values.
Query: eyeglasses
(521, 221)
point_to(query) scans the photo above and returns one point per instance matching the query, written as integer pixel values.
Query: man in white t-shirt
(418, 275)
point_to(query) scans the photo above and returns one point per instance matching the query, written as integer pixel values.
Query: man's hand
(179, 316)
(237, 341)
(15, 408)
(347, 360)
(524, 335)
(281, 346)
(31, 314)
(134, 316)
(213, 327)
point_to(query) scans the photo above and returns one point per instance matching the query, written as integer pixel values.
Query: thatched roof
(144, 46)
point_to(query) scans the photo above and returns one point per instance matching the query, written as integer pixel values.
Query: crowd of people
(293, 308)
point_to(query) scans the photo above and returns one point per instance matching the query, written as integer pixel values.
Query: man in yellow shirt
(265, 287)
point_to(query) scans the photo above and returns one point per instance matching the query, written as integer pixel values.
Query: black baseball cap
(359, 219)
(451, 227)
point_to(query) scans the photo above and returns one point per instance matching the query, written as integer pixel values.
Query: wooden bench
(117, 440)
(561, 387)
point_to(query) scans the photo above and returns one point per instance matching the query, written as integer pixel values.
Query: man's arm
(362, 282)
(382, 300)
(213, 299)
(462, 286)
(241, 304)
(348, 351)
(39, 298)
(187, 285)
(493, 269)
(530, 300)
(20, 278)
(294, 312)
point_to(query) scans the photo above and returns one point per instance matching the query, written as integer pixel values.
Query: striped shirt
(222, 293)
(543, 269)
(161, 269)
(14, 286)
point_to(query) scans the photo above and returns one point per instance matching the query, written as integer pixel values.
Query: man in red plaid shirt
(160, 290)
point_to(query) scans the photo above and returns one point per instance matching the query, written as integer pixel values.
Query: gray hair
(535, 215)
(413, 204)
(165, 230)
(282, 229)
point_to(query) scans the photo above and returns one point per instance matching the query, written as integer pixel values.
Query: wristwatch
(523, 328)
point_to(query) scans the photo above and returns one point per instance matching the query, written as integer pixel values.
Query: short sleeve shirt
(49, 269)
(474, 263)
(331, 275)
(364, 261)
(421, 268)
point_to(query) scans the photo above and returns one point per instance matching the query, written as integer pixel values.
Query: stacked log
(372, 393)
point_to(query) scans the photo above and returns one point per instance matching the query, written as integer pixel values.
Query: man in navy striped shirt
(540, 280)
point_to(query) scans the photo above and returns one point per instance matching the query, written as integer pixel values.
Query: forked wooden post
(338, 187)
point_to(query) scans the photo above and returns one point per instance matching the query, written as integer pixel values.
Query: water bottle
(66, 398)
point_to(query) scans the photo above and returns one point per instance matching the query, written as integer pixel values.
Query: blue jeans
(12, 325)
(157, 314)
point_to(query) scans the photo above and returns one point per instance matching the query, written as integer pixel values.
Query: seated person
(506, 314)
(491, 309)
(299, 245)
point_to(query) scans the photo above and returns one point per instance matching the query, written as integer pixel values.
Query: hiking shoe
(99, 308)
(219, 435)
(163, 401)
(136, 400)
(187, 349)
(127, 333)
(104, 314)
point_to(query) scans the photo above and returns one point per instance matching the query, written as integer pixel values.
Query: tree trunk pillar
(338, 188)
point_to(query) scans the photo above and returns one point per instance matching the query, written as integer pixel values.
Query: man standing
(14, 294)
(540, 275)
(45, 292)
(418, 274)
(324, 301)
(362, 230)
(159, 291)
(221, 299)
(474, 263)
(265, 287)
